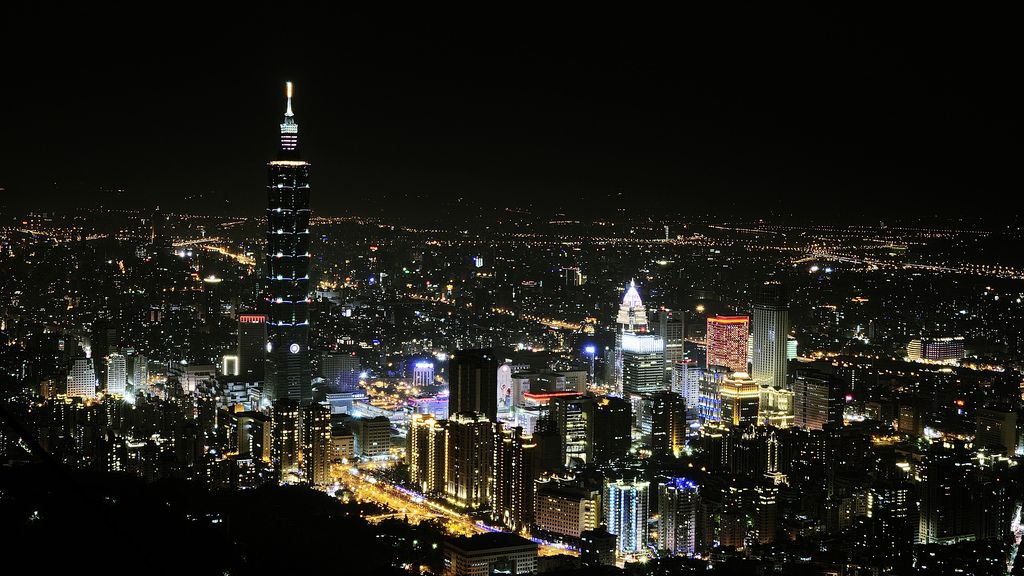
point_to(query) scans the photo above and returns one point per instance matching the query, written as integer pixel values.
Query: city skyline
(755, 114)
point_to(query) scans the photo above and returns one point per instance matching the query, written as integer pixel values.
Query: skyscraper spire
(289, 131)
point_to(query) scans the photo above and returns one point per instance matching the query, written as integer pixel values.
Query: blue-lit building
(625, 513)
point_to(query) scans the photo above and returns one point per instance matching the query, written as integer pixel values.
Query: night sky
(582, 112)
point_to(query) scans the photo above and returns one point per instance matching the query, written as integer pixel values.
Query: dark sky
(578, 111)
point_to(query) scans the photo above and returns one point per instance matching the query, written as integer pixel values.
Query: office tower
(286, 286)
(625, 514)
(771, 329)
(668, 423)
(641, 356)
(512, 501)
(82, 378)
(117, 374)
(631, 319)
(340, 371)
(668, 326)
(422, 374)
(573, 419)
(563, 509)
(470, 456)
(727, 342)
(285, 451)
(316, 444)
(817, 400)
(252, 347)
(473, 383)
(678, 502)
(945, 511)
(613, 419)
(740, 399)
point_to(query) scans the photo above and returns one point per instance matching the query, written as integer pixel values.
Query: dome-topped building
(632, 315)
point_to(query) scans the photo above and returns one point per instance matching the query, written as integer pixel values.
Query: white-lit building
(117, 374)
(678, 502)
(82, 378)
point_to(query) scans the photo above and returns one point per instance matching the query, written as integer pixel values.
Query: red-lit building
(727, 342)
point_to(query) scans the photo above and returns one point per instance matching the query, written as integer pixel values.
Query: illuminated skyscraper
(625, 512)
(727, 342)
(678, 503)
(285, 450)
(117, 374)
(470, 455)
(631, 319)
(316, 444)
(286, 287)
(771, 327)
(641, 356)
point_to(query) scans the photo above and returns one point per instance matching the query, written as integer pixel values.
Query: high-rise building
(573, 419)
(426, 453)
(740, 396)
(771, 329)
(678, 502)
(997, 429)
(252, 347)
(631, 319)
(285, 451)
(117, 374)
(470, 454)
(340, 371)
(316, 444)
(626, 512)
(372, 436)
(727, 342)
(512, 501)
(613, 419)
(82, 378)
(286, 286)
(668, 423)
(817, 400)
(686, 382)
(473, 383)
(641, 356)
(668, 326)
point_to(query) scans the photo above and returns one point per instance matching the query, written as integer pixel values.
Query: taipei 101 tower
(286, 286)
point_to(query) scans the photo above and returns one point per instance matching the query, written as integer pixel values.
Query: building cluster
(821, 416)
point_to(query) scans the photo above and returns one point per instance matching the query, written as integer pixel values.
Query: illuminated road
(404, 504)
